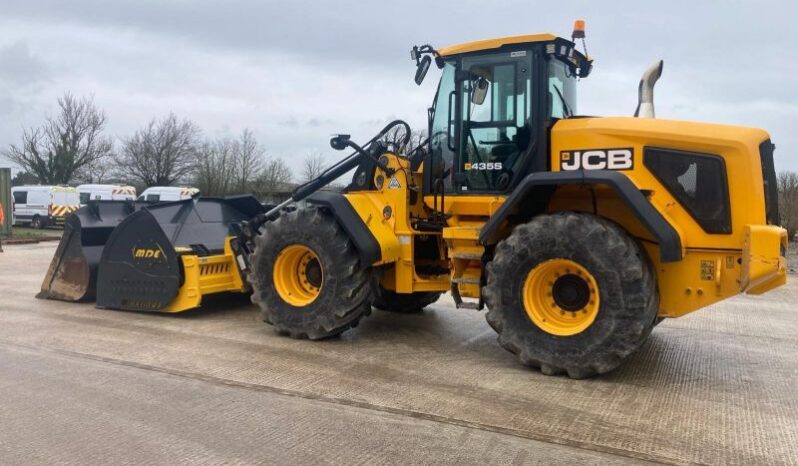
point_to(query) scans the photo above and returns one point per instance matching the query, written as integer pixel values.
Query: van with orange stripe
(42, 206)
(106, 192)
(168, 193)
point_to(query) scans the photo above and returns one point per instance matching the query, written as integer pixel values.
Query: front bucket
(72, 275)
(141, 269)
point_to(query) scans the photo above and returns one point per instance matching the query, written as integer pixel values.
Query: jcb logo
(142, 253)
(597, 159)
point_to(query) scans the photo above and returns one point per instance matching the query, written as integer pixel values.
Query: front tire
(571, 293)
(306, 276)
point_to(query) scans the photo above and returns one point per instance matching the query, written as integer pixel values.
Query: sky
(297, 71)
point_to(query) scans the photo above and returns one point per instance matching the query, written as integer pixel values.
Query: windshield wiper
(568, 112)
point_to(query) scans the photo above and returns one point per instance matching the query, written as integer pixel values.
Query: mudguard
(533, 193)
(346, 216)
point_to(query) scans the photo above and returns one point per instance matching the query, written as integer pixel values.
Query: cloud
(296, 72)
(20, 66)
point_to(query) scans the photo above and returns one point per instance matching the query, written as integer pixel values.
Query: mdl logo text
(142, 253)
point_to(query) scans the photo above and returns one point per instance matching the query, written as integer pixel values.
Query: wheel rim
(561, 297)
(298, 275)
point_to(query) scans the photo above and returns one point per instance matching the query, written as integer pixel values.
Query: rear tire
(339, 294)
(37, 222)
(406, 303)
(598, 333)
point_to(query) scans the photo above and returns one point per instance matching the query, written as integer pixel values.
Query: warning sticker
(707, 270)
(394, 183)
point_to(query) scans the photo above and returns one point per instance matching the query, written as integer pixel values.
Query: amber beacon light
(579, 29)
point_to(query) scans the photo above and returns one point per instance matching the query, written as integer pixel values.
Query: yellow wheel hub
(298, 275)
(561, 297)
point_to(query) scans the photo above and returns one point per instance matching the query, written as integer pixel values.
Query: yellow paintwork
(387, 213)
(683, 287)
(204, 276)
(467, 216)
(763, 266)
(540, 306)
(488, 44)
(290, 275)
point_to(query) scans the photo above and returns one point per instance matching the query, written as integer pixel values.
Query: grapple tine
(69, 277)
(72, 275)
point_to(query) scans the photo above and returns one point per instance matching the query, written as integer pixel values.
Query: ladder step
(464, 305)
(468, 256)
(466, 280)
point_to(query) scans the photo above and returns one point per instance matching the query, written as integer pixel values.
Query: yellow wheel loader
(579, 234)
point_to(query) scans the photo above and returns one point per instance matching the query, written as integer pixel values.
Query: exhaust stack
(645, 91)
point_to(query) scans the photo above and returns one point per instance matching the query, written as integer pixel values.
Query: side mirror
(339, 141)
(480, 91)
(422, 68)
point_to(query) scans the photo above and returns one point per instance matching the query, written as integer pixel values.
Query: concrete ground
(80, 385)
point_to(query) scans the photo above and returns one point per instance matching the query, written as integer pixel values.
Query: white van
(167, 193)
(106, 192)
(40, 206)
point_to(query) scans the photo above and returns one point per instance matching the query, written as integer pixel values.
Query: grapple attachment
(128, 255)
(141, 268)
(72, 275)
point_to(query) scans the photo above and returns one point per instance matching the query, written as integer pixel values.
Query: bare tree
(66, 143)
(395, 140)
(788, 200)
(98, 171)
(274, 178)
(250, 158)
(312, 166)
(162, 153)
(216, 167)
(23, 178)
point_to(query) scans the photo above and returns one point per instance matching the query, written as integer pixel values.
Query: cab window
(20, 197)
(562, 90)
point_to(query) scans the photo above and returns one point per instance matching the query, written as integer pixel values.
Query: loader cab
(495, 103)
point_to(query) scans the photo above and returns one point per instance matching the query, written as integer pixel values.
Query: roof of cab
(487, 44)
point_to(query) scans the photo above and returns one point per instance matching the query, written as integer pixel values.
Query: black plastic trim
(365, 243)
(531, 197)
(771, 184)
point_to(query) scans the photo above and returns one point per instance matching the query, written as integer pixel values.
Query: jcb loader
(579, 234)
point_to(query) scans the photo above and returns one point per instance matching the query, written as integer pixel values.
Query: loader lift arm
(368, 151)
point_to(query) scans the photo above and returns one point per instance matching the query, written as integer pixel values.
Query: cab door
(494, 121)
